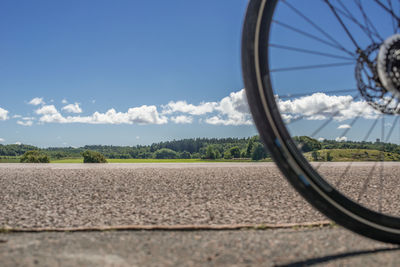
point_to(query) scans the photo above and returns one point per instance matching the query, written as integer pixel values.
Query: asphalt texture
(284, 247)
(77, 195)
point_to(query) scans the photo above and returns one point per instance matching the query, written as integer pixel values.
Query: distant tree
(307, 143)
(249, 148)
(315, 155)
(227, 155)
(165, 153)
(93, 157)
(35, 156)
(235, 152)
(185, 155)
(329, 156)
(210, 153)
(196, 156)
(258, 151)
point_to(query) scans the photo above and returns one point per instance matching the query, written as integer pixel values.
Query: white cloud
(37, 101)
(344, 126)
(182, 119)
(320, 106)
(25, 123)
(341, 139)
(64, 101)
(184, 107)
(233, 110)
(17, 116)
(18, 143)
(321, 139)
(3, 114)
(47, 110)
(138, 115)
(28, 118)
(2, 140)
(72, 108)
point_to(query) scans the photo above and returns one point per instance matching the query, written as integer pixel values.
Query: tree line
(205, 148)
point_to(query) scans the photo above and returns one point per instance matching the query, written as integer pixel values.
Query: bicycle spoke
(312, 67)
(393, 21)
(312, 36)
(343, 25)
(306, 94)
(350, 164)
(382, 159)
(366, 182)
(308, 51)
(313, 24)
(350, 16)
(388, 10)
(392, 128)
(346, 103)
(367, 21)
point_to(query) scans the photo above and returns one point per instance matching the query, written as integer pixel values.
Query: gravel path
(74, 195)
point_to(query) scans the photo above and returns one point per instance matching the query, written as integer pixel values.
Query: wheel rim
(378, 173)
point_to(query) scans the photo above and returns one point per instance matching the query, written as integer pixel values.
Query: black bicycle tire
(275, 136)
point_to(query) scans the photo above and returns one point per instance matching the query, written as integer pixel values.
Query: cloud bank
(320, 106)
(231, 110)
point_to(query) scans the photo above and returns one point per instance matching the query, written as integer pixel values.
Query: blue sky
(135, 72)
(117, 55)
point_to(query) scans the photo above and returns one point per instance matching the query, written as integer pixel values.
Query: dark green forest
(205, 148)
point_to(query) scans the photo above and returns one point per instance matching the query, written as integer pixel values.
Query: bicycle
(354, 46)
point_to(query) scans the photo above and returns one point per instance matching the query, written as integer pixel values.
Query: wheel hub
(378, 75)
(388, 64)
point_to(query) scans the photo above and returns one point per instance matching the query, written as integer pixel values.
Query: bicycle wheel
(329, 70)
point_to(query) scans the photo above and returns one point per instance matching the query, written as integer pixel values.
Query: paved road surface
(76, 195)
(320, 247)
(63, 195)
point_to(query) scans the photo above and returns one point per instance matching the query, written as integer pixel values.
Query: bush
(258, 151)
(307, 143)
(35, 156)
(165, 153)
(235, 152)
(185, 155)
(210, 153)
(227, 155)
(93, 157)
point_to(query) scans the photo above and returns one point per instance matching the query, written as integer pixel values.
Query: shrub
(258, 151)
(227, 155)
(235, 152)
(35, 156)
(210, 153)
(165, 153)
(185, 155)
(93, 157)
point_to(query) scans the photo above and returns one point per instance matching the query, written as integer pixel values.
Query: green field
(353, 155)
(336, 155)
(9, 160)
(80, 160)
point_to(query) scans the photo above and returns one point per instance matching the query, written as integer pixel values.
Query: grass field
(336, 155)
(9, 160)
(353, 155)
(80, 160)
